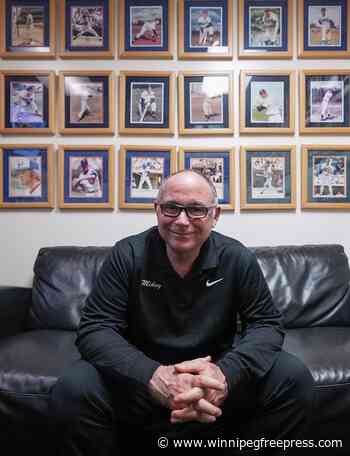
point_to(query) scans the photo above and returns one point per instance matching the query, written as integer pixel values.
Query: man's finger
(193, 365)
(184, 415)
(204, 381)
(204, 406)
(192, 395)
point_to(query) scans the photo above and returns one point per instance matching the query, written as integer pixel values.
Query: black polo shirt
(141, 313)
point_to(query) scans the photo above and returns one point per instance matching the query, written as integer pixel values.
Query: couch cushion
(30, 364)
(309, 283)
(63, 279)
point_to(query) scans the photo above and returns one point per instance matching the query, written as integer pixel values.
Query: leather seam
(334, 385)
(14, 393)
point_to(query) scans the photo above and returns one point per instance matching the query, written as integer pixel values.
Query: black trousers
(95, 418)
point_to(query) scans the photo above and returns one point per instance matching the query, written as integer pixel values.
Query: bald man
(160, 360)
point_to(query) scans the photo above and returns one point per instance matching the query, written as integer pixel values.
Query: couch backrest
(63, 278)
(309, 283)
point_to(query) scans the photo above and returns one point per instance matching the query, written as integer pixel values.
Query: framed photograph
(142, 170)
(267, 102)
(205, 29)
(86, 177)
(216, 164)
(324, 29)
(268, 178)
(325, 101)
(325, 177)
(146, 103)
(28, 29)
(146, 29)
(87, 29)
(205, 103)
(86, 102)
(26, 176)
(27, 104)
(265, 29)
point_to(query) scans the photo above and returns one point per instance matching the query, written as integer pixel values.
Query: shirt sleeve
(262, 333)
(103, 327)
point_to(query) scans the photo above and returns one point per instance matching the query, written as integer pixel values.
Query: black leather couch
(309, 284)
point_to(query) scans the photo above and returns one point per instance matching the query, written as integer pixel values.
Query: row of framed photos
(86, 175)
(147, 102)
(146, 28)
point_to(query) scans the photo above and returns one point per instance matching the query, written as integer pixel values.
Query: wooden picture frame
(267, 102)
(146, 29)
(265, 29)
(27, 31)
(323, 29)
(86, 177)
(205, 30)
(140, 167)
(26, 176)
(324, 102)
(146, 103)
(87, 29)
(268, 178)
(216, 164)
(27, 102)
(325, 177)
(205, 103)
(86, 102)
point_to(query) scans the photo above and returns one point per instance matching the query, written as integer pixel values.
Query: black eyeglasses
(192, 212)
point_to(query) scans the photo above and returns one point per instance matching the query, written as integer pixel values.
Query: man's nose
(182, 218)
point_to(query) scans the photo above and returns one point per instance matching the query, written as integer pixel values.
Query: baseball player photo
(327, 101)
(146, 26)
(265, 25)
(324, 26)
(87, 26)
(25, 177)
(206, 106)
(206, 26)
(27, 26)
(147, 103)
(329, 177)
(268, 177)
(212, 169)
(26, 104)
(86, 103)
(267, 102)
(86, 177)
(146, 176)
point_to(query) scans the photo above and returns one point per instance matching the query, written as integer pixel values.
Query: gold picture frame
(267, 178)
(205, 42)
(205, 103)
(325, 177)
(320, 34)
(141, 166)
(86, 102)
(86, 177)
(324, 101)
(217, 164)
(39, 39)
(267, 102)
(146, 103)
(26, 176)
(27, 102)
(70, 48)
(136, 41)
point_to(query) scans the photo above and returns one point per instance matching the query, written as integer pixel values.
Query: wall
(23, 232)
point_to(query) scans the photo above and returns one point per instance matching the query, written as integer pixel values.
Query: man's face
(183, 234)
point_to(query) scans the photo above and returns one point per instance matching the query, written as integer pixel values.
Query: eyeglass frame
(185, 208)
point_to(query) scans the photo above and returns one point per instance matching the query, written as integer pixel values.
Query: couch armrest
(14, 305)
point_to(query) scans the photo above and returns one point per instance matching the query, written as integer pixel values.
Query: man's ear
(216, 215)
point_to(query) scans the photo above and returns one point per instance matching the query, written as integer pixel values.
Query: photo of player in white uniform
(329, 177)
(87, 27)
(212, 169)
(146, 176)
(267, 102)
(25, 177)
(27, 26)
(146, 26)
(26, 102)
(147, 103)
(324, 27)
(327, 101)
(205, 27)
(265, 25)
(86, 101)
(206, 102)
(86, 177)
(268, 177)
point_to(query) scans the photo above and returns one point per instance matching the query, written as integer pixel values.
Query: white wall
(23, 232)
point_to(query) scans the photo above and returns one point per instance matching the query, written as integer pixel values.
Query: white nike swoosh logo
(210, 284)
